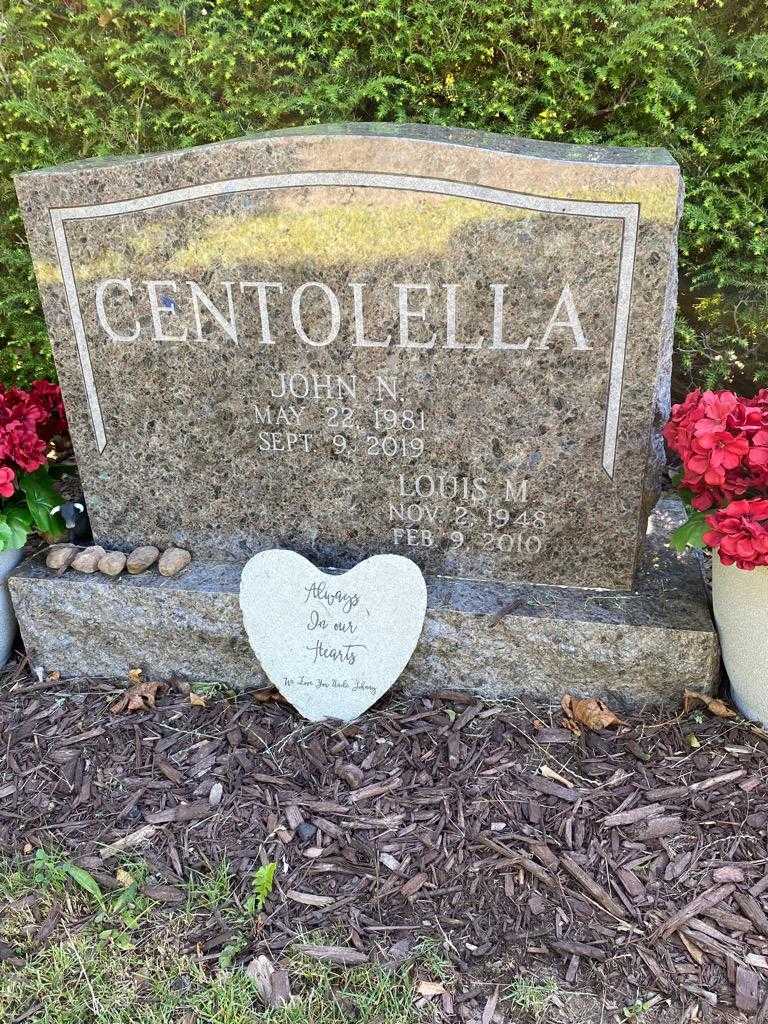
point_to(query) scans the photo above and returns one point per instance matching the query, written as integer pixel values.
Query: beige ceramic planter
(740, 599)
(8, 562)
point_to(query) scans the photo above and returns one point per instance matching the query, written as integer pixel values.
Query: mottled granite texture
(476, 459)
(486, 638)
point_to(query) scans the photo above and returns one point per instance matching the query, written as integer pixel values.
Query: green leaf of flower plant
(85, 881)
(18, 516)
(691, 533)
(41, 498)
(11, 537)
(15, 525)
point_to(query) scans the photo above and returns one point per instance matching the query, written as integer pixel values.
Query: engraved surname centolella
(220, 313)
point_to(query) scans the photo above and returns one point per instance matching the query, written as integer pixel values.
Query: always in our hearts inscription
(332, 643)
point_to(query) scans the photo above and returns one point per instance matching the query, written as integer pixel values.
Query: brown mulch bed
(622, 862)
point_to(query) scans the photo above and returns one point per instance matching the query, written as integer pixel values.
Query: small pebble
(141, 558)
(60, 556)
(217, 792)
(305, 831)
(113, 563)
(88, 559)
(173, 561)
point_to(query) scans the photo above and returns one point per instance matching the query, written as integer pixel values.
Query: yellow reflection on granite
(46, 272)
(111, 264)
(150, 240)
(336, 234)
(315, 226)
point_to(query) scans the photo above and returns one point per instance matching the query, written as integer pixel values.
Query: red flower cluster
(723, 442)
(28, 422)
(7, 481)
(740, 533)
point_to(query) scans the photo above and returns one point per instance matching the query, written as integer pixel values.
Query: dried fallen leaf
(139, 697)
(197, 700)
(714, 705)
(550, 773)
(588, 712)
(267, 694)
(430, 988)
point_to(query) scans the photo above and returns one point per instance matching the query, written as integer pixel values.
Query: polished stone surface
(367, 338)
(485, 638)
(332, 644)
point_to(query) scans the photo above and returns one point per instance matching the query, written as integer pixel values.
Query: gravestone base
(494, 640)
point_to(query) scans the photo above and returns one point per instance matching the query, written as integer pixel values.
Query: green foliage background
(84, 78)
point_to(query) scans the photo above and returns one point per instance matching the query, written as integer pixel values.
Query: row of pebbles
(111, 563)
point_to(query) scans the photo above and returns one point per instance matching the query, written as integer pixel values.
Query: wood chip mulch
(635, 860)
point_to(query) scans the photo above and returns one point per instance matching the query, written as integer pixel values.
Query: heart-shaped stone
(332, 643)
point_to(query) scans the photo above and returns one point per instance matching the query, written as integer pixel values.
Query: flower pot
(740, 599)
(8, 625)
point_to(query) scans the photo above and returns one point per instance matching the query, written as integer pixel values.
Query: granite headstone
(358, 339)
(332, 644)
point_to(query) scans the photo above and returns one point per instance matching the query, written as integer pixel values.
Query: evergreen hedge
(89, 77)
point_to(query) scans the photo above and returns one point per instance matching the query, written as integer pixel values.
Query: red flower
(758, 453)
(23, 445)
(679, 429)
(718, 406)
(739, 533)
(19, 404)
(723, 442)
(705, 498)
(7, 486)
(47, 396)
(715, 451)
(28, 421)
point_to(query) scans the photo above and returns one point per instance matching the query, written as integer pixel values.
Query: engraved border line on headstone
(86, 367)
(628, 213)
